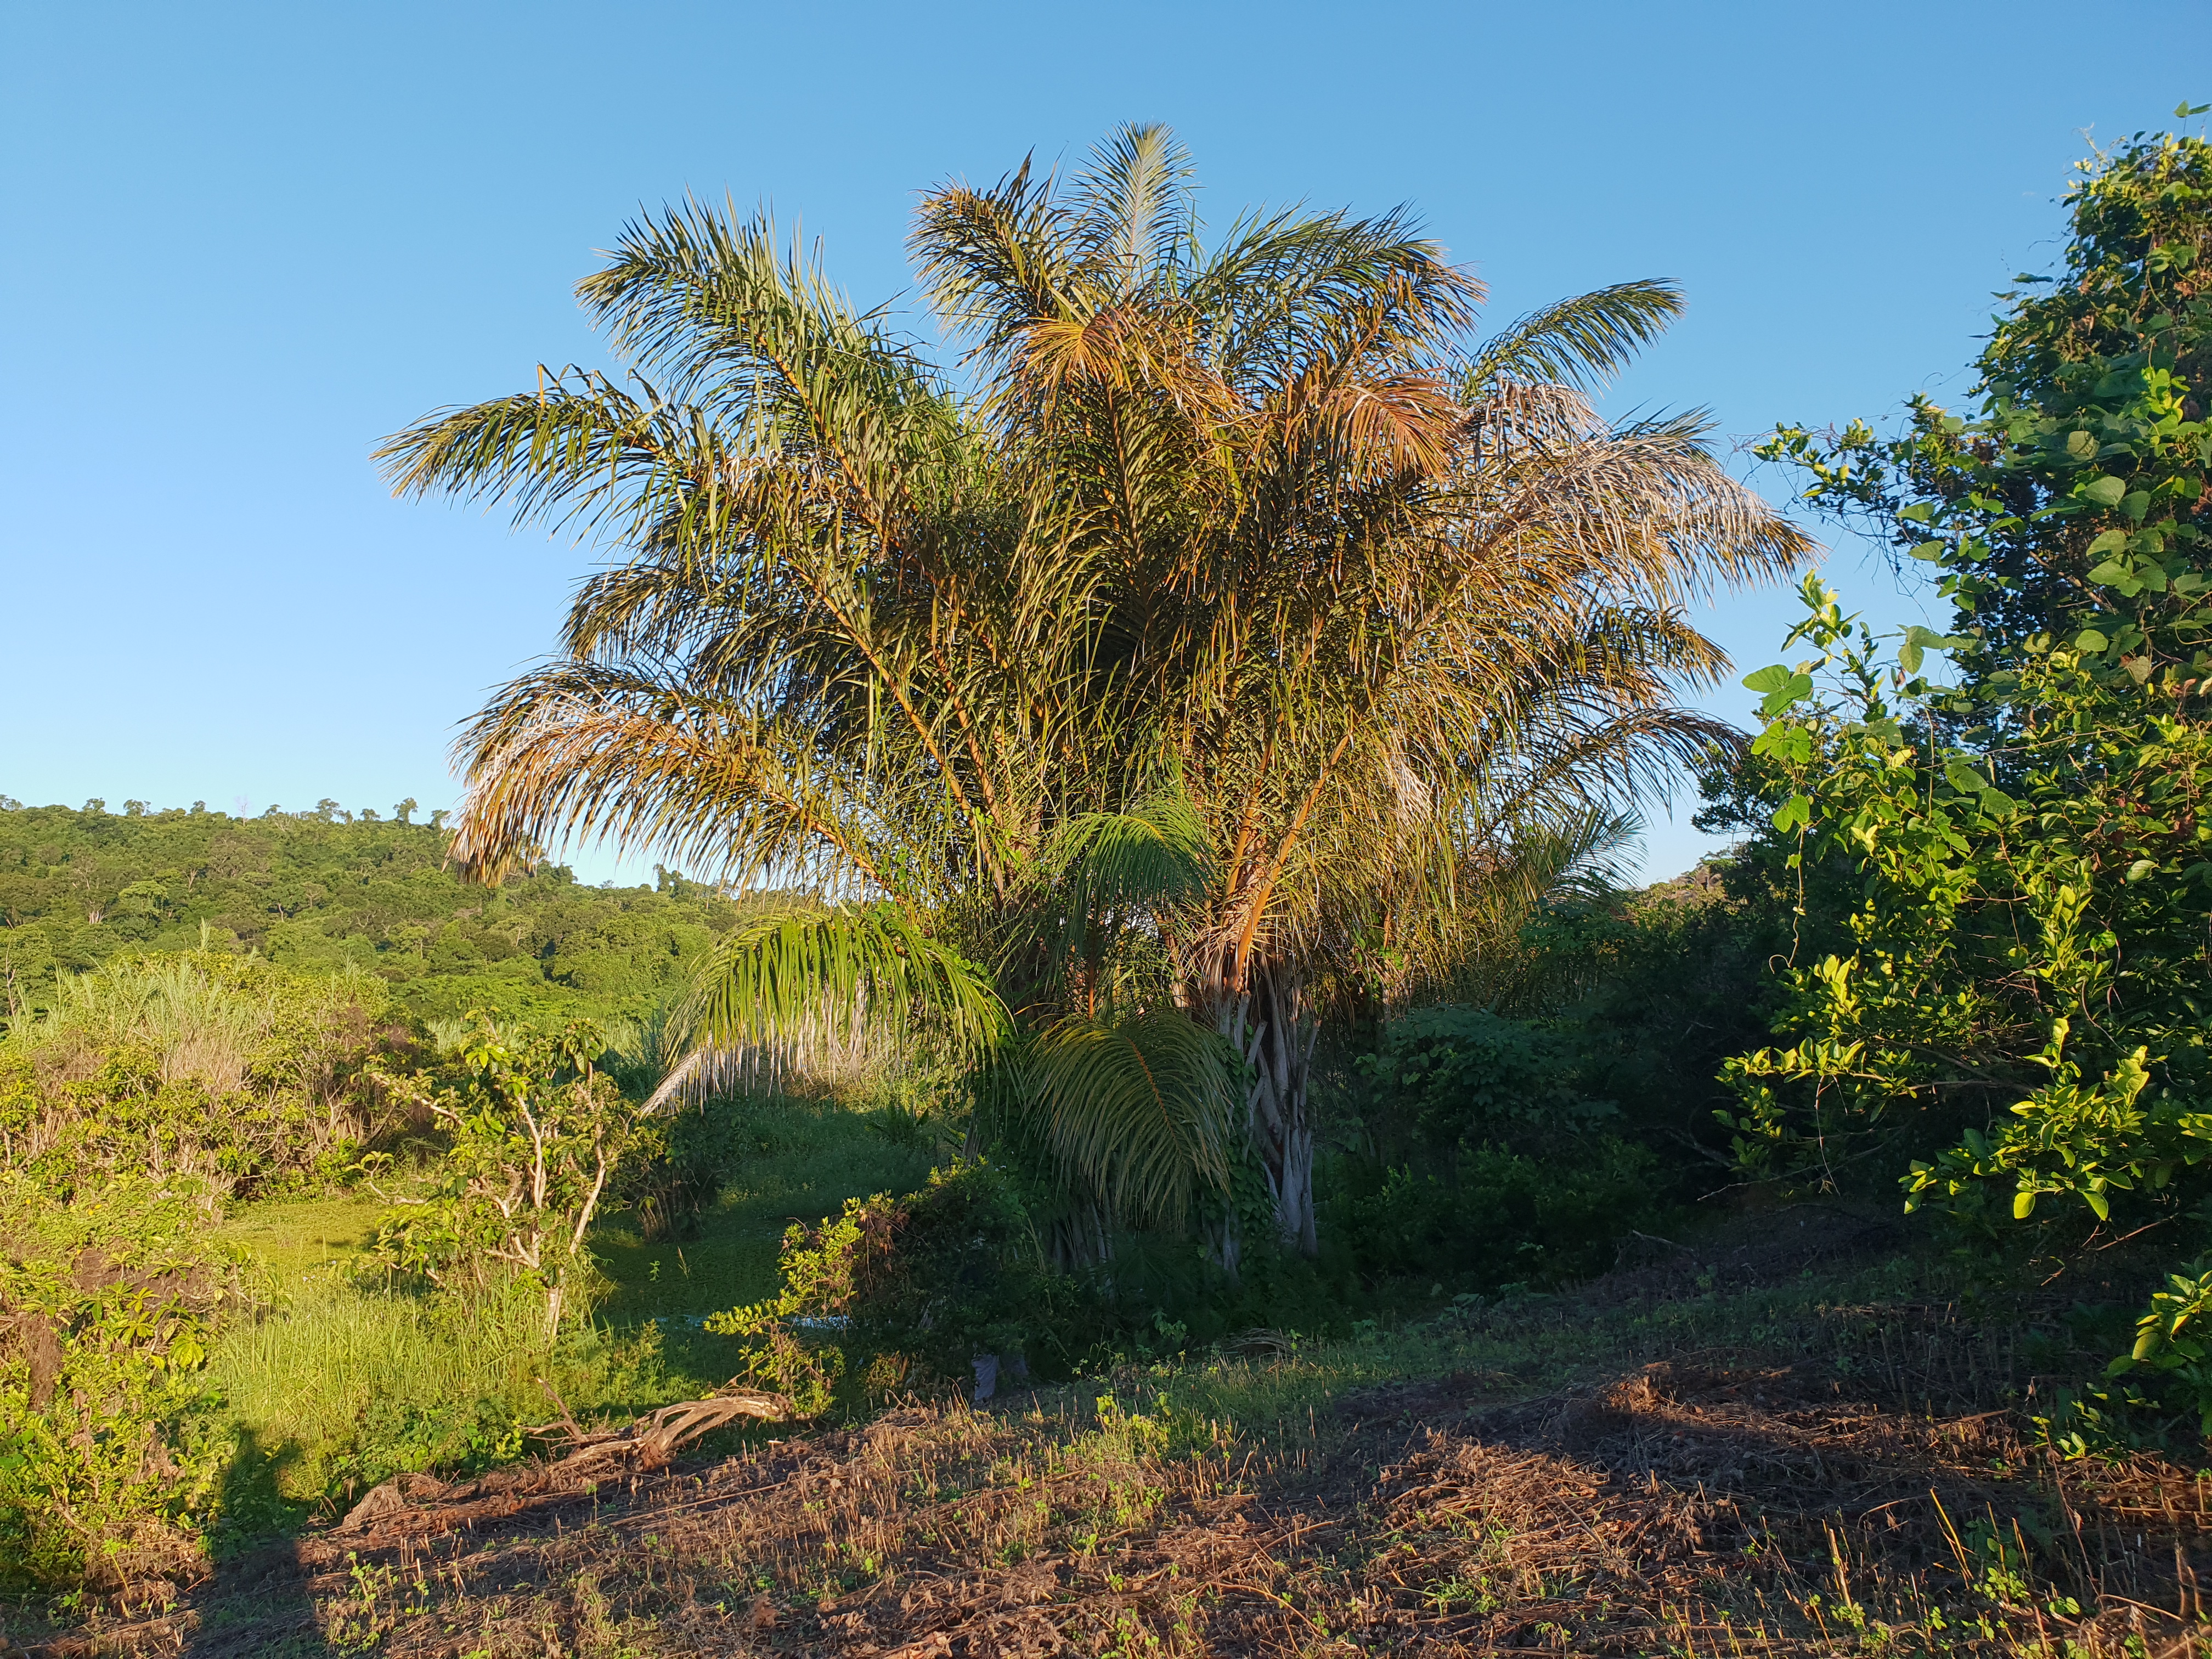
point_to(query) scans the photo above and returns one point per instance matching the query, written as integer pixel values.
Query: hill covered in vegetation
(328, 889)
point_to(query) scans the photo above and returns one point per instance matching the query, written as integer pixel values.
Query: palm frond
(1106, 874)
(1156, 856)
(1581, 343)
(1139, 1109)
(791, 974)
(1138, 215)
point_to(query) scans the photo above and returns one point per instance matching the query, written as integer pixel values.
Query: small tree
(2020, 1000)
(538, 1133)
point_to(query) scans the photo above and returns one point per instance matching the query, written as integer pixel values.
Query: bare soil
(1758, 1497)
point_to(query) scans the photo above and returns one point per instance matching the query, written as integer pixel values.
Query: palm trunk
(1079, 1236)
(1272, 1024)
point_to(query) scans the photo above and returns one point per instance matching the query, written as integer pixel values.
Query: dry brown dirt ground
(1716, 1502)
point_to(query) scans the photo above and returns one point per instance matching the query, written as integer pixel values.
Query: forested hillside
(324, 888)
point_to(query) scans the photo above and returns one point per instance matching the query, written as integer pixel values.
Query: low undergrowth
(1807, 1442)
(343, 1378)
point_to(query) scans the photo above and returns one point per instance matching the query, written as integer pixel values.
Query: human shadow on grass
(259, 1600)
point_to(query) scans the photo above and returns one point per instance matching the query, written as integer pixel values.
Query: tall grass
(195, 1024)
(345, 1385)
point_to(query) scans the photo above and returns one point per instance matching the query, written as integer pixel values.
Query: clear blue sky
(244, 242)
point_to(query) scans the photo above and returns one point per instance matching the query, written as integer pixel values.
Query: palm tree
(1235, 605)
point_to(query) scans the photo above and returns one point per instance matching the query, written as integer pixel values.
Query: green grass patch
(803, 1159)
(339, 1381)
(292, 1240)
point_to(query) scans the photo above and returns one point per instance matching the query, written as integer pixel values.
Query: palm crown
(1232, 603)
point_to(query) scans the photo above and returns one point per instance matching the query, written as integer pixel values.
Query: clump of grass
(343, 1386)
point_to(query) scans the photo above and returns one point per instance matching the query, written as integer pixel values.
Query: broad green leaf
(2111, 542)
(2106, 490)
(2109, 574)
(1794, 689)
(2091, 640)
(2023, 1205)
(1794, 813)
(1790, 742)
(1962, 777)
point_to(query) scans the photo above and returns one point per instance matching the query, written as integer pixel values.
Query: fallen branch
(423, 1502)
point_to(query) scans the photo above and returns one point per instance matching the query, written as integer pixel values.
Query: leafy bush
(912, 1289)
(1481, 1158)
(105, 1450)
(537, 1135)
(242, 1075)
(2016, 1014)
(1447, 1077)
(1498, 1216)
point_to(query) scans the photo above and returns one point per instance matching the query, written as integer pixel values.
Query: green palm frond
(1139, 215)
(994, 260)
(1581, 343)
(1139, 1109)
(580, 450)
(1104, 875)
(1156, 856)
(798, 975)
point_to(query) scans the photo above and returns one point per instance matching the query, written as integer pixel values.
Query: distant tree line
(322, 890)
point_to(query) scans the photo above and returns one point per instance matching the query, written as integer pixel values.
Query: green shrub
(1479, 1159)
(243, 1076)
(107, 1450)
(905, 1290)
(680, 1163)
(1497, 1217)
(535, 1137)
(2013, 1021)
(1447, 1077)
